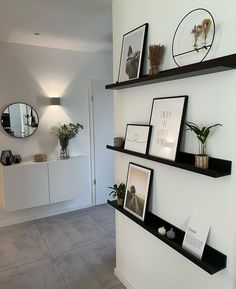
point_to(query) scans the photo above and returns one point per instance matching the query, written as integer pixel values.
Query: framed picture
(132, 53)
(167, 119)
(137, 138)
(137, 190)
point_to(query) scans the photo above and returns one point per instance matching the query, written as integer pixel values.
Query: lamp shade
(55, 101)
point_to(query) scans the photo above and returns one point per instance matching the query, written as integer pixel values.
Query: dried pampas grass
(155, 55)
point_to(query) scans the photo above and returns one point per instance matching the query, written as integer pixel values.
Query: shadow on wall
(32, 74)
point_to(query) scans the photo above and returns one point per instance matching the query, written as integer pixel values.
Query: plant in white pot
(118, 192)
(202, 133)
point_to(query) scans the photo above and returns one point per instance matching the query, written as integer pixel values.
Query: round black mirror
(19, 120)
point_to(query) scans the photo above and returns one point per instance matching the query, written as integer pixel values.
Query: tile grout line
(83, 245)
(52, 257)
(49, 252)
(29, 262)
(108, 233)
(107, 236)
(23, 264)
(76, 247)
(67, 286)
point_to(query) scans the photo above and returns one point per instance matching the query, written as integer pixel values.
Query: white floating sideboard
(32, 184)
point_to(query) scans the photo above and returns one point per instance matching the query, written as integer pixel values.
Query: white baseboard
(122, 279)
(31, 214)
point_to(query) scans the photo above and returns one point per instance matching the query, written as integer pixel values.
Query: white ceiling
(80, 25)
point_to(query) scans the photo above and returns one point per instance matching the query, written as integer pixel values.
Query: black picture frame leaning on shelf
(167, 121)
(132, 53)
(138, 186)
(137, 138)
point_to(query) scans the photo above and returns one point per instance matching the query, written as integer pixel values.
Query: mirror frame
(18, 102)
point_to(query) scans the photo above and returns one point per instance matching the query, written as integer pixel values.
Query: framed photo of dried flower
(167, 120)
(137, 138)
(193, 37)
(138, 187)
(132, 53)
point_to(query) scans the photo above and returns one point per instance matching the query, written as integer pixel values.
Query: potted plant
(65, 132)
(118, 192)
(202, 133)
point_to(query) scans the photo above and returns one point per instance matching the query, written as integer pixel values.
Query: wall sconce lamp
(55, 100)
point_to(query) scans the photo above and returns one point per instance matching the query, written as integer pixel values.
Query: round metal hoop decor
(203, 48)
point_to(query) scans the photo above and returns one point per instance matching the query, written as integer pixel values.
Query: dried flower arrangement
(201, 29)
(155, 55)
(197, 31)
(206, 25)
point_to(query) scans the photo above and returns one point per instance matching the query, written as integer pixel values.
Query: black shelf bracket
(217, 167)
(212, 260)
(206, 67)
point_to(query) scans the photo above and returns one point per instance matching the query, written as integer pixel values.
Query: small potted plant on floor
(202, 133)
(118, 192)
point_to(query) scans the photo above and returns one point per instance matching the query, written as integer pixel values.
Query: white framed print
(167, 120)
(132, 53)
(138, 186)
(196, 236)
(137, 138)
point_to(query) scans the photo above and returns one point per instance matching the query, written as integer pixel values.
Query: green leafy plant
(65, 132)
(202, 134)
(118, 191)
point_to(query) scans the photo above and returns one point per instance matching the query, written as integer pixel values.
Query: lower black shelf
(212, 260)
(217, 167)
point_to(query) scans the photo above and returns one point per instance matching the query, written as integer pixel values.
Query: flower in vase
(65, 132)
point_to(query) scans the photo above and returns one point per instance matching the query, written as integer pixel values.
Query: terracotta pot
(202, 161)
(120, 201)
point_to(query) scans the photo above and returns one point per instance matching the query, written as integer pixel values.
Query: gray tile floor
(68, 251)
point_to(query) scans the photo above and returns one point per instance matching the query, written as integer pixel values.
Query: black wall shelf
(212, 260)
(210, 66)
(217, 167)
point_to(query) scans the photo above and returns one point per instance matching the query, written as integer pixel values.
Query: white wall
(211, 100)
(32, 74)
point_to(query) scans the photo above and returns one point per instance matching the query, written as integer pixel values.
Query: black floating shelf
(212, 260)
(210, 66)
(217, 167)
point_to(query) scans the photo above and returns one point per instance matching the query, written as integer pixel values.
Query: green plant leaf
(201, 133)
(118, 190)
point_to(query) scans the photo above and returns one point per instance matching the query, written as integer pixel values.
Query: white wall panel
(150, 264)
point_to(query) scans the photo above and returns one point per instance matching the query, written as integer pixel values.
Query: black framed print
(132, 53)
(167, 119)
(137, 190)
(137, 138)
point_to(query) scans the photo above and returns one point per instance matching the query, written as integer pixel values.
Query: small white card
(196, 236)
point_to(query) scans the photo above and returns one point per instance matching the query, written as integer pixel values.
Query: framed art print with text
(167, 119)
